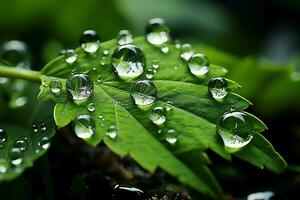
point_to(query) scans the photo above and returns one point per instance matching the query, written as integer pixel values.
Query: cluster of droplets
(152, 70)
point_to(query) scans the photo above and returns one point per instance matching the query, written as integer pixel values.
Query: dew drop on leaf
(261, 196)
(84, 126)
(157, 116)
(89, 41)
(143, 92)
(79, 87)
(105, 52)
(186, 52)
(55, 86)
(171, 136)
(218, 88)
(157, 32)
(3, 136)
(124, 37)
(35, 128)
(16, 156)
(15, 53)
(155, 64)
(150, 74)
(3, 166)
(91, 107)
(44, 127)
(121, 192)
(165, 49)
(112, 132)
(129, 61)
(20, 144)
(44, 143)
(235, 130)
(199, 65)
(70, 56)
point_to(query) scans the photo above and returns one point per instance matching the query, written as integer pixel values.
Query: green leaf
(193, 113)
(20, 128)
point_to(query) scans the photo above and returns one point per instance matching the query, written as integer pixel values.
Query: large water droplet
(157, 116)
(218, 88)
(112, 132)
(186, 52)
(171, 136)
(129, 61)
(84, 126)
(157, 33)
(79, 87)
(235, 130)
(143, 92)
(15, 53)
(70, 56)
(260, 196)
(89, 41)
(91, 107)
(199, 65)
(44, 143)
(3, 136)
(16, 156)
(124, 37)
(20, 144)
(55, 86)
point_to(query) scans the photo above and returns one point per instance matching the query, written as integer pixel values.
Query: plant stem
(13, 72)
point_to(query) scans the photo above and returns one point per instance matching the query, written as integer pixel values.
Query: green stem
(13, 72)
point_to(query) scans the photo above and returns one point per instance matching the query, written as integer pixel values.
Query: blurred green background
(258, 41)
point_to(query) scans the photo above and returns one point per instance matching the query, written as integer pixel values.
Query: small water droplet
(171, 136)
(15, 53)
(121, 192)
(157, 32)
(91, 107)
(44, 143)
(70, 56)
(79, 87)
(89, 41)
(143, 92)
(44, 127)
(261, 196)
(235, 130)
(218, 88)
(16, 156)
(99, 79)
(150, 73)
(165, 49)
(55, 86)
(105, 52)
(124, 37)
(35, 128)
(3, 136)
(186, 52)
(84, 126)
(157, 116)
(199, 65)
(44, 83)
(3, 166)
(177, 44)
(129, 61)
(20, 144)
(168, 106)
(155, 64)
(159, 131)
(112, 132)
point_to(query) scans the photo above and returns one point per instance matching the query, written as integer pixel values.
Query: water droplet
(157, 33)
(155, 64)
(44, 127)
(165, 49)
(124, 37)
(84, 126)
(79, 87)
(121, 192)
(177, 44)
(143, 92)
(260, 196)
(70, 56)
(20, 144)
(157, 116)
(105, 52)
(129, 61)
(150, 73)
(44, 83)
(91, 107)
(199, 65)
(218, 88)
(168, 106)
(89, 41)
(171, 136)
(35, 128)
(235, 130)
(186, 52)
(112, 132)
(3, 166)
(3, 136)
(55, 86)
(15, 53)
(16, 156)
(44, 143)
